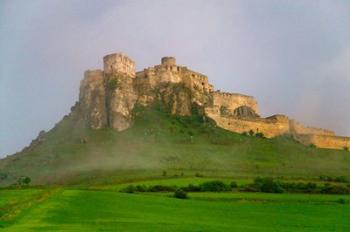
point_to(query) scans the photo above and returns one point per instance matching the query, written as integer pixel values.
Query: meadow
(106, 209)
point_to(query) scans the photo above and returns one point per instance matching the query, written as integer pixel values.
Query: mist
(292, 56)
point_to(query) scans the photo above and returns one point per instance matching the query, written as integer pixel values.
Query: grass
(87, 210)
(180, 146)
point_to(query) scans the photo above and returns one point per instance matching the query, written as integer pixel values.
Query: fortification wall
(118, 62)
(231, 101)
(298, 128)
(199, 82)
(92, 99)
(324, 141)
(269, 127)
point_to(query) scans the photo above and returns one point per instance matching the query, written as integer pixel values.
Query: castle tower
(118, 62)
(168, 60)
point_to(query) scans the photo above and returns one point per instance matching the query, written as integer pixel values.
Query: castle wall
(324, 141)
(92, 99)
(120, 101)
(270, 127)
(118, 62)
(232, 101)
(298, 128)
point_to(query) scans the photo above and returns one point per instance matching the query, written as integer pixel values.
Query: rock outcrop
(107, 99)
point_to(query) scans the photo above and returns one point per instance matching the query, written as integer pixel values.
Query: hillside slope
(159, 143)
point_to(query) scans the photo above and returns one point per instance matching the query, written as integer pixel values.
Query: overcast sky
(293, 56)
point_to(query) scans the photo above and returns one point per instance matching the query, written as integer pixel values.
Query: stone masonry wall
(232, 101)
(324, 141)
(118, 62)
(92, 99)
(270, 127)
(298, 128)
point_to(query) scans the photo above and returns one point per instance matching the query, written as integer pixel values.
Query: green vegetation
(180, 193)
(88, 210)
(134, 180)
(159, 145)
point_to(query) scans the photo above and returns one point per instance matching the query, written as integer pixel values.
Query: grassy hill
(159, 145)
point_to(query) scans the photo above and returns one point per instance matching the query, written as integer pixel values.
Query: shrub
(192, 188)
(342, 201)
(112, 83)
(268, 185)
(312, 146)
(233, 184)
(3, 175)
(341, 179)
(198, 175)
(180, 193)
(164, 173)
(214, 186)
(335, 189)
(141, 188)
(251, 132)
(245, 133)
(260, 135)
(161, 188)
(346, 149)
(128, 189)
(23, 180)
(300, 187)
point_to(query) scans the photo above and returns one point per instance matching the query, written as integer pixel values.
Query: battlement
(227, 94)
(118, 62)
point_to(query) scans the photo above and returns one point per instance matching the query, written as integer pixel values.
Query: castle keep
(107, 99)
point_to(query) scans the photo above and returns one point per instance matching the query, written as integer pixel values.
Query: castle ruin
(108, 97)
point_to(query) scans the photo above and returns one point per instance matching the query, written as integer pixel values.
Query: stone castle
(107, 99)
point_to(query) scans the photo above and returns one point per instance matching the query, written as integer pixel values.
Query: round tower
(168, 60)
(118, 62)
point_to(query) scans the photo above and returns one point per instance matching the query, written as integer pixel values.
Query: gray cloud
(293, 56)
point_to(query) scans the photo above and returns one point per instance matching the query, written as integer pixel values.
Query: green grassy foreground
(89, 210)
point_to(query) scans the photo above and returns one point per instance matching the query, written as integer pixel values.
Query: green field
(89, 210)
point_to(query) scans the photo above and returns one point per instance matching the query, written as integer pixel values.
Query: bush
(192, 188)
(161, 188)
(198, 175)
(260, 135)
(3, 175)
(23, 180)
(141, 188)
(251, 132)
(180, 193)
(300, 187)
(342, 201)
(112, 83)
(312, 146)
(233, 184)
(335, 189)
(268, 185)
(214, 186)
(346, 149)
(128, 189)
